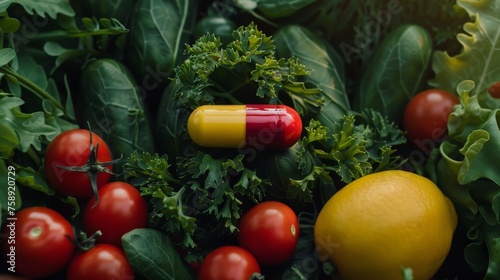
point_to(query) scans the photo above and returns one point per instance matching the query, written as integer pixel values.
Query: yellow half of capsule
(226, 122)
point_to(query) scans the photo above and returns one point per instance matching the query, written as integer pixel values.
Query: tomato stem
(82, 242)
(93, 167)
(257, 276)
(329, 269)
(36, 232)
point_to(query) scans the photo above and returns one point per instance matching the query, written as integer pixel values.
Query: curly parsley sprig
(249, 60)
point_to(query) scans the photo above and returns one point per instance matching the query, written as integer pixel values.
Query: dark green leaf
(49, 7)
(8, 140)
(402, 56)
(9, 25)
(159, 31)
(29, 128)
(325, 69)
(113, 105)
(30, 178)
(119, 9)
(62, 54)
(171, 128)
(281, 8)
(6, 55)
(154, 256)
(33, 72)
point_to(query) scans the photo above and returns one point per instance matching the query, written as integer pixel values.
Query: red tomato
(39, 242)
(228, 263)
(426, 116)
(494, 90)
(270, 231)
(72, 148)
(121, 208)
(101, 262)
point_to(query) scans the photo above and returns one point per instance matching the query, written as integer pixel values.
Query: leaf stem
(33, 155)
(35, 89)
(59, 35)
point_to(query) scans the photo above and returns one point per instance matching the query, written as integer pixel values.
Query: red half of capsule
(272, 126)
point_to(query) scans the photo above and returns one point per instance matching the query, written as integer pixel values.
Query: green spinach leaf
(154, 256)
(158, 33)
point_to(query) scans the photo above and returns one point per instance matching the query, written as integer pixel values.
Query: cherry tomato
(101, 262)
(39, 242)
(270, 231)
(120, 209)
(72, 148)
(494, 90)
(228, 263)
(426, 116)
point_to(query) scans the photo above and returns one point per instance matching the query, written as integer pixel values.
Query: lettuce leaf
(466, 170)
(480, 55)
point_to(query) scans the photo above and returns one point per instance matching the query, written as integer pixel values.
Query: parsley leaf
(150, 173)
(363, 143)
(224, 182)
(228, 74)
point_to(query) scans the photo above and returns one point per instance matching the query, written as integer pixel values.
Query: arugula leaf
(33, 72)
(26, 73)
(6, 55)
(50, 7)
(29, 177)
(29, 129)
(8, 24)
(481, 50)
(94, 38)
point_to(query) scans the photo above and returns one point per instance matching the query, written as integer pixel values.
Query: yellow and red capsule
(256, 125)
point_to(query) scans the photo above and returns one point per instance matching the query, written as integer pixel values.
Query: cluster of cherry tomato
(46, 242)
(267, 235)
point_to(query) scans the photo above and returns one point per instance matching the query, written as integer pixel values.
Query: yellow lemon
(382, 222)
